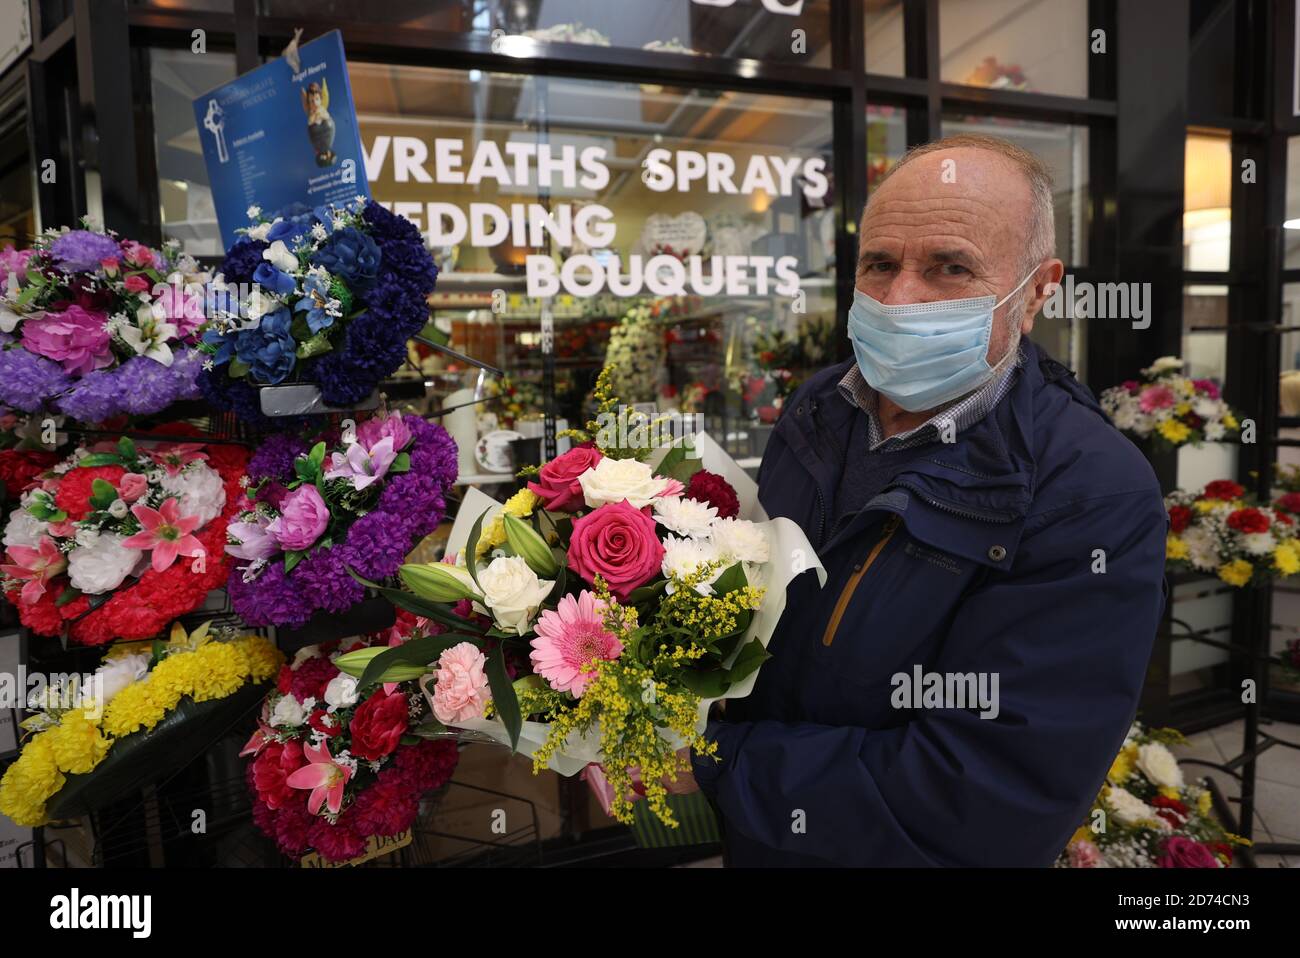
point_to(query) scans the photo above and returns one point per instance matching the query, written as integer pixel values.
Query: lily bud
(531, 547)
(439, 581)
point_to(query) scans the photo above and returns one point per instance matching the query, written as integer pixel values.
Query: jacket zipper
(949, 508)
(846, 594)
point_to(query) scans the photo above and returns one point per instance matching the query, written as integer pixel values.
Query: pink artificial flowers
(36, 566)
(166, 532)
(325, 777)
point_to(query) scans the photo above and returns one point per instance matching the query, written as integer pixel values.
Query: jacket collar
(970, 497)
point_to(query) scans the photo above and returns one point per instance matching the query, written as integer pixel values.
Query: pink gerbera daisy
(570, 641)
(1156, 397)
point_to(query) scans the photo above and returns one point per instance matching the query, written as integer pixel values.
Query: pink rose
(618, 543)
(75, 337)
(132, 487)
(109, 265)
(137, 254)
(1180, 852)
(136, 284)
(181, 307)
(461, 691)
(303, 517)
(371, 432)
(557, 481)
(1084, 854)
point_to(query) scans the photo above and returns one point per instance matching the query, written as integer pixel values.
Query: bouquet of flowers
(621, 593)
(1219, 531)
(636, 353)
(328, 297)
(1148, 816)
(1170, 408)
(118, 540)
(334, 762)
(143, 697)
(312, 512)
(95, 326)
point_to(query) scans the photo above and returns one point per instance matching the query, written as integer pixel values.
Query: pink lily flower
(174, 457)
(166, 532)
(36, 566)
(360, 466)
(325, 777)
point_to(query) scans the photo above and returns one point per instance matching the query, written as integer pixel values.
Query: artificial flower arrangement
(312, 512)
(1220, 531)
(140, 693)
(628, 592)
(636, 353)
(118, 540)
(94, 326)
(335, 763)
(23, 455)
(1170, 408)
(335, 295)
(1148, 816)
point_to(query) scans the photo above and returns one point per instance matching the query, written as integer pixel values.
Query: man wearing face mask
(956, 693)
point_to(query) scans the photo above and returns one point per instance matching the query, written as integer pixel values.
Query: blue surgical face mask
(922, 355)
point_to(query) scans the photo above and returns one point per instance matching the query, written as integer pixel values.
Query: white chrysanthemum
(1258, 543)
(1207, 408)
(687, 517)
(740, 540)
(1127, 417)
(613, 480)
(1163, 365)
(24, 529)
(103, 565)
(1160, 767)
(1128, 808)
(684, 556)
(200, 490)
(1202, 551)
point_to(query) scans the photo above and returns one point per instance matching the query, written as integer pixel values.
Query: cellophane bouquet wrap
(598, 613)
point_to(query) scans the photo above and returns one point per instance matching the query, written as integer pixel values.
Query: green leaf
(419, 652)
(315, 346)
(304, 469)
(471, 547)
(504, 700)
(557, 590)
(317, 455)
(681, 462)
(707, 685)
(413, 603)
(237, 369)
(731, 579)
(67, 595)
(27, 295)
(646, 592)
(99, 459)
(750, 657)
(402, 463)
(102, 494)
(43, 512)
(126, 447)
(292, 558)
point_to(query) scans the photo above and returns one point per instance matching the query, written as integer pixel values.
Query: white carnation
(287, 713)
(103, 565)
(200, 490)
(1128, 808)
(741, 540)
(512, 593)
(687, 517)
(1160, 767)
(24, 529)
(613, 480)
(342, 691)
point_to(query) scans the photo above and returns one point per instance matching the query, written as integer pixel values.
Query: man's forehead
(957, 180)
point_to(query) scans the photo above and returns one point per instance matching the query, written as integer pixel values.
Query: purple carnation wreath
(282, 586)
(342, 324)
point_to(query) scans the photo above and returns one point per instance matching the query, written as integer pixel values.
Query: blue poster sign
(282, 140)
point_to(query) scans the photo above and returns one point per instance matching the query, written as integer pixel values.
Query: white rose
(288, 713)
(102, 566)
(342, 691)
(117, 509)
(201, 491)
(512, 593)
(279, 256)
(613, 480)
(1128, 808)
(741, 539)
(1158, 764)
(687, 517)
(24, 529)
(115, 675)
(684, 556)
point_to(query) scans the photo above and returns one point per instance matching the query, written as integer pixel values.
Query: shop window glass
(886, 141)
(1205, 327)
(883, 37)
(17, 216)
(1212, 42)
(783, 31)
(1039, 46)
(1291, 232)
(688, 176)
(176, 78)
(1289, 350)
(1207, 203)
(1065, 151)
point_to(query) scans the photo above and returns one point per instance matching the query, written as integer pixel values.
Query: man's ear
(1046, 279)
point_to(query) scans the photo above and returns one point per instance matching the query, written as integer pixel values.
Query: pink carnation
(76, 338)
(461, 691)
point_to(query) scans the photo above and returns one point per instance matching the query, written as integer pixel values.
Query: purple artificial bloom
(274, 457)
(140, 387)
(80, 251)
(252, 541)
(360, 466)
(28, 381)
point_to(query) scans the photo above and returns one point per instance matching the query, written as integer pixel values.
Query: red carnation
(1289, 502)
(317, 721)
(293, 825)
(311, 677)
(20, 467)
(1224, 489)
(1180, 517)
(378, 724)
(427, 764)
(284, 681)
(75, 488)
(1248, 521)
(273, 765)
(1171, 810)
(337, 843)
(711, 488)
(388, 807)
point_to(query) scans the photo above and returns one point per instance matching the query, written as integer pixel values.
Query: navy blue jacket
(1032, 547)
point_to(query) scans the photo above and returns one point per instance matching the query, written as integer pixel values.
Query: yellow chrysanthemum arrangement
(195, 666)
